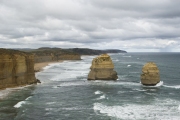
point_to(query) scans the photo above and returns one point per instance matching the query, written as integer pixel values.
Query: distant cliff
(73, 51)
(16, 68)
(53, 54)
(86, 51)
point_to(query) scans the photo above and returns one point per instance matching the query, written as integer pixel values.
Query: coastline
(39, 66)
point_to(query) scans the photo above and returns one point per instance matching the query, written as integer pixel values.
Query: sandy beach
(39, 66)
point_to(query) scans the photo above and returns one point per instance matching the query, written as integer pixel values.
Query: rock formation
(53, 54)
(150, 74)
(16, 68)
(102, 69)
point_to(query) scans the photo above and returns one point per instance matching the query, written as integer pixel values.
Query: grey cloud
(85, 23)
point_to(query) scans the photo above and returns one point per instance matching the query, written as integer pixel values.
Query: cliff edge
(53, 54)
(16, 68)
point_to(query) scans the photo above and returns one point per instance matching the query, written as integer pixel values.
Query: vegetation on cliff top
(70, 51)
(48, 51)
(12, 52)
(86, 51)
(80, 51)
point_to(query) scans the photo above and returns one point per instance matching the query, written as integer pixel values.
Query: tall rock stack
(150, 74)
(102, 69)
(16, 68)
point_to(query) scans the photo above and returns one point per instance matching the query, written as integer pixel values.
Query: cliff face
(150, 74)
(102, 69)
(16, 68)
(53, 54)
(69, 57)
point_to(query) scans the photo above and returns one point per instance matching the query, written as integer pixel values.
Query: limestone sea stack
(150, 74)
(102, 69)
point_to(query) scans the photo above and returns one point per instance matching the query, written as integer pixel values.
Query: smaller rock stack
(102, 69)
(150, 74)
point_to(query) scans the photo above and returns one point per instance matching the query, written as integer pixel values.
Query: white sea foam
(28, 98)
(50, 103)
(126, 56)
(139, 90)
(98, 92)
(51, 65)
(101, 97)
(175, 86)
(124, 83)
(128, 65)
(71, 70)
(157, 85)
(102, 83)
(4, 93)
(179, 107)
(81, 83)
(158, 111)
(19, 104)
(48, 109)
(7, 91)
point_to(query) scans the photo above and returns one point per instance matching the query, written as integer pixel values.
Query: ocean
(66, 94)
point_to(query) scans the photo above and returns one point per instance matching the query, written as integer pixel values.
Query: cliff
(16, 68)
(53, 54)
(150, 74)
(78, 51)
(86, 51)
(102, 69)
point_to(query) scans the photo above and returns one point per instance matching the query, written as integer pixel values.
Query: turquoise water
(65, 94)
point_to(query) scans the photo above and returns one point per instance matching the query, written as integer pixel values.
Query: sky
(131, 25)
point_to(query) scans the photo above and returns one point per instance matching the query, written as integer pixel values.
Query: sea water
(66, 94)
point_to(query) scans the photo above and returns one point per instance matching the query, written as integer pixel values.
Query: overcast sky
(131, 25)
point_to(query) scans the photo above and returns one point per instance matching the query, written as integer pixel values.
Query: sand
(39, 66)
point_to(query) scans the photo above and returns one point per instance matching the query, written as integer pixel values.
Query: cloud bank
(132, 25)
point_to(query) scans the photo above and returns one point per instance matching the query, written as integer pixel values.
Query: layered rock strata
(150, 74)
(53, 54)
(102, 69)
(16, 68)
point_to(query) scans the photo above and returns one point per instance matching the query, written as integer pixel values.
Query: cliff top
(78, 51)
(49, 51)
(11, 52)
(102, 61)
(87, 51)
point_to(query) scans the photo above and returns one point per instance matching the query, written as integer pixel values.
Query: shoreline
(39, 66)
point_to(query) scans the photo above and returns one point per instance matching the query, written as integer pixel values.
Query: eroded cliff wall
(53, 54)
(16, 68)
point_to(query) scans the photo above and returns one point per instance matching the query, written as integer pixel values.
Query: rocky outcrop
(16, 68)
(150, 74)
(102, 69)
